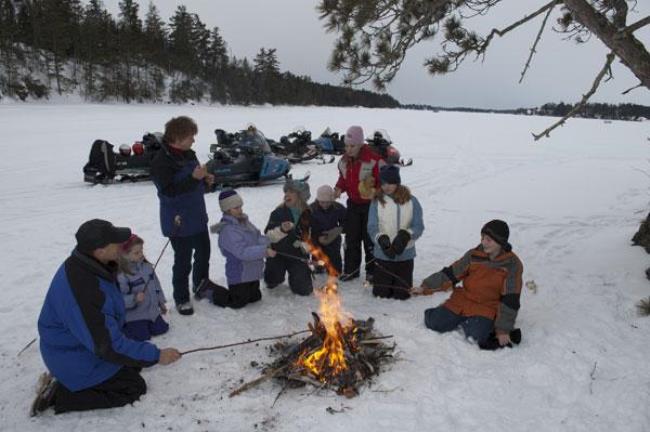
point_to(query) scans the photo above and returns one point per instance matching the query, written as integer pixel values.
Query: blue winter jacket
(141, 279)
(80, 326)
(389, 218)
(244, 248)
(180, 194)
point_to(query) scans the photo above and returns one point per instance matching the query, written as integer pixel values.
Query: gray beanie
(300, 187)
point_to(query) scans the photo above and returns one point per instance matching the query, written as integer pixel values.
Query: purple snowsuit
(244, 248)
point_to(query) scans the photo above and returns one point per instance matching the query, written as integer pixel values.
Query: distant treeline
(592, 110)
(65, 47)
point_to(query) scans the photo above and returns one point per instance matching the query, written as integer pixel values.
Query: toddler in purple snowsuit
(244, 248)
(143, 297)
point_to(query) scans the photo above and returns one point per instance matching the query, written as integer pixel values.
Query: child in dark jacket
(143, 297)
(287, 228)
(244, 248)
(327, 222)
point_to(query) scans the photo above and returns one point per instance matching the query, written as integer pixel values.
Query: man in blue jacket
(181, 182)
(80, 327)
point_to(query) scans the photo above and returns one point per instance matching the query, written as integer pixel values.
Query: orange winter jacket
(491, 288)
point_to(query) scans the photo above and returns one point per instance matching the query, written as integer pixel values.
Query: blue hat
(390, 174)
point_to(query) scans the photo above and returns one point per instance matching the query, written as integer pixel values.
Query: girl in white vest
(394, 224)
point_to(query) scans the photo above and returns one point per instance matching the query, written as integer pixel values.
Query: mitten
(400, 241)
(384, 243)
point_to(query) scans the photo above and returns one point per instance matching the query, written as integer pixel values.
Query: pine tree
(130, 46)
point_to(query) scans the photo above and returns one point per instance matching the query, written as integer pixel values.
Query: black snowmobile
(298, 147)
(130, 164)
(245, 157)
(381, 144)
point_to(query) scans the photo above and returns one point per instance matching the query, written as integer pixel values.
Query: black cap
(98, 233)
(499, 232)
(389, 174)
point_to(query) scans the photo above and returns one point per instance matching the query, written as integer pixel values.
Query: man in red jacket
(359, 178)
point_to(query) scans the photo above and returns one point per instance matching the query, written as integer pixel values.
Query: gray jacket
(132, 284)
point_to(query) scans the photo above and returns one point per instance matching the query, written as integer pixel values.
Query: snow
(573, 202)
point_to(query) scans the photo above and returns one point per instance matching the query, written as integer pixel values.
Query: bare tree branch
(585, 98)
(628, 48)
(516, 24)
(632, 88)
(637, 25)
(533, 49)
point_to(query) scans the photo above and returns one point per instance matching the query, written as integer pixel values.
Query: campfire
(340, 353)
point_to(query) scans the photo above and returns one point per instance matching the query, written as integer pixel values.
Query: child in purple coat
(143, 297)
(244, 248)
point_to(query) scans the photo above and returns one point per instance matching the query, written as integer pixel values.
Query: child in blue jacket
(143, 297)
(394, 224)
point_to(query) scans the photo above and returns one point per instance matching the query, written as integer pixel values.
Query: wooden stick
(26, 346)
(371, 340)
(266, 376)
(243, 343)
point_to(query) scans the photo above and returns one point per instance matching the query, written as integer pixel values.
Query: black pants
(393, 279)
(123, 388)
(300, 280)
(183, 248)
(356, 232)
(238, 295)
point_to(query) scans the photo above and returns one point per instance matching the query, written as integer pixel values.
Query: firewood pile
(342, 362)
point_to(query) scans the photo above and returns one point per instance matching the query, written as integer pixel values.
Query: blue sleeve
(101, 334)
(417, 223)
(94, 321)
(373, 222)
(231, 241)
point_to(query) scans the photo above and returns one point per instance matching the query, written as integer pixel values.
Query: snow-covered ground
(573, 202)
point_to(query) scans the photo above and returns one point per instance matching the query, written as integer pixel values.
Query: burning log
(364, 353)
(340, 354)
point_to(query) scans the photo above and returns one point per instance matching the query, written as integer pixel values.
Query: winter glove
(400, 241)
(276, 234)
(367, 188)
(386, 247)
(329, 236)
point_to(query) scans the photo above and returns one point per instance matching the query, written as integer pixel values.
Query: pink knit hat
(354, 136)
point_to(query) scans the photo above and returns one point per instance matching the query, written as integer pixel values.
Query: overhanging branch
(585, 98)
(537, 39)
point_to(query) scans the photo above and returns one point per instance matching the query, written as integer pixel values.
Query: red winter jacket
(353, 171)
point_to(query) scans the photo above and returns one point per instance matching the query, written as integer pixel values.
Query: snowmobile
(298, 147)
(129, 164)
(330, 142)
(245, 157)
(381, 144)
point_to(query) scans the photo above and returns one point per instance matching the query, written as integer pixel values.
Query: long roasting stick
(243, 343)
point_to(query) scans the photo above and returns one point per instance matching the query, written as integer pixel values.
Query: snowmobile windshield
(381, 134)
(255, 140)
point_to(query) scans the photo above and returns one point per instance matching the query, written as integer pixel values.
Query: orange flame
(329, 360)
